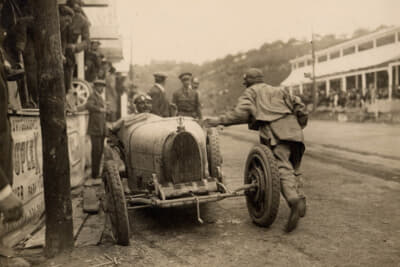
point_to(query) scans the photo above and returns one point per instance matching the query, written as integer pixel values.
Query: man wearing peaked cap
(253, 75)
(97, 125)
(279, 118)
(185, 75)
(161, 105)
(160, 75)
(186, 99)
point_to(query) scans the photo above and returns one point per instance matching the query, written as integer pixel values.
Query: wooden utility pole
(56, 173)
(314, 84)
(131, 74)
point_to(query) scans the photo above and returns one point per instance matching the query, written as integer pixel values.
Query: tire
(214, 157)
(262, 201)
(83, 90)
(116, 204)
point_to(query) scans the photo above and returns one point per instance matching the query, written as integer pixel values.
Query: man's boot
(294, 215)
(302, 206)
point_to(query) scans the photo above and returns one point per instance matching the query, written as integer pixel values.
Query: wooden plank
(91, 233)
(79, 217)
(91, 203)
(37, 240)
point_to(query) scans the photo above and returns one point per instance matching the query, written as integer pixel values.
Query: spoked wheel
(263, 200)
(116, 204)
(83, 90)
(214, 156)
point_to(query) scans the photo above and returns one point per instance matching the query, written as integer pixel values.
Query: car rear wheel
(116, 207)
(263, 200)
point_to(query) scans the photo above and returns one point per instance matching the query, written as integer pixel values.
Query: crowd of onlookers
(352, 98)
(18, 34)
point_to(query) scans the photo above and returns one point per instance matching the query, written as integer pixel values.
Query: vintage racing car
(172, 162)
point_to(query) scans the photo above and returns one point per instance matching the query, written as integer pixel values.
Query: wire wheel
(116, 204)
(214, 156)
(263, 200)
(82, 89)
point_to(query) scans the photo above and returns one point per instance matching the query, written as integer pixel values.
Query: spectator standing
(79, 27)
(195, 84)
(120, 81)
(97, 125)
(92, 61)
(186, 99)
(372, 93)
(161, 106)
(10, 206)
(111, 94)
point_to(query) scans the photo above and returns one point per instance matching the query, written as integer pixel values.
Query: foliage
(221, 79)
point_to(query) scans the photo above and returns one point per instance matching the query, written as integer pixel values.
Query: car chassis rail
(141, 201)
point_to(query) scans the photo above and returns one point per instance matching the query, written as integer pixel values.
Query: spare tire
(83, 90)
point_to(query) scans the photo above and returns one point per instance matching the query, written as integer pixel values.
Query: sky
(202, 30)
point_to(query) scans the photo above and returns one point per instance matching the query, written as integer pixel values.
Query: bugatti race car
(169, 162)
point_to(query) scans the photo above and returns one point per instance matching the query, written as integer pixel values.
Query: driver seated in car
(143, 104)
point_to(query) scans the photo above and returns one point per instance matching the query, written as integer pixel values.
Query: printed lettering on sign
(25, 153)
(74, 148)
(27, 162)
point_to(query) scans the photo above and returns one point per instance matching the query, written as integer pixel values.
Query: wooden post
(328, 86)
(364, 83)
(314, 84)
(56, 173)
(390, 82)
(344, 84)
(356, 81)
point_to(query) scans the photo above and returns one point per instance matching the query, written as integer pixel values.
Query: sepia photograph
(199, 133)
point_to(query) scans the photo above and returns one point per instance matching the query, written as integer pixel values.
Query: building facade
(366, 67)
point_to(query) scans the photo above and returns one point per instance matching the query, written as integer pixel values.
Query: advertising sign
(27, 164)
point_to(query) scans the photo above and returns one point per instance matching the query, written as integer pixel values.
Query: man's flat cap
(185, 76)
(253, 73)
(98, 81)
(66, 11)
(160, 74)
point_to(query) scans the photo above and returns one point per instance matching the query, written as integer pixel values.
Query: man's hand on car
(211, 122)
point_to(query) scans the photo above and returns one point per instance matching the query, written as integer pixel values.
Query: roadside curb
(384, 167)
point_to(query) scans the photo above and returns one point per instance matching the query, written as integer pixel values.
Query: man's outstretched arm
(240, 114)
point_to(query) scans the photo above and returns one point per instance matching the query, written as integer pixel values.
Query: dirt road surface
(353, 219)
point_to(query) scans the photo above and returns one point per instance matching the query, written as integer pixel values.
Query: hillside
(221, 79)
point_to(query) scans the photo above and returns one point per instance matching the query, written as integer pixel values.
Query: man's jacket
(160, 104)
(273, 112)
(97, 119)
(6, 167)
(187, 102)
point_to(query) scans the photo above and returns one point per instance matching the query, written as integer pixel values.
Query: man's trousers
(289, 182)
(97, 152)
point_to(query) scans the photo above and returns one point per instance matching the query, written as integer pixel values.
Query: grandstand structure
(359, 64)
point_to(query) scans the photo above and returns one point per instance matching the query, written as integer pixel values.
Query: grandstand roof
(368, 59)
